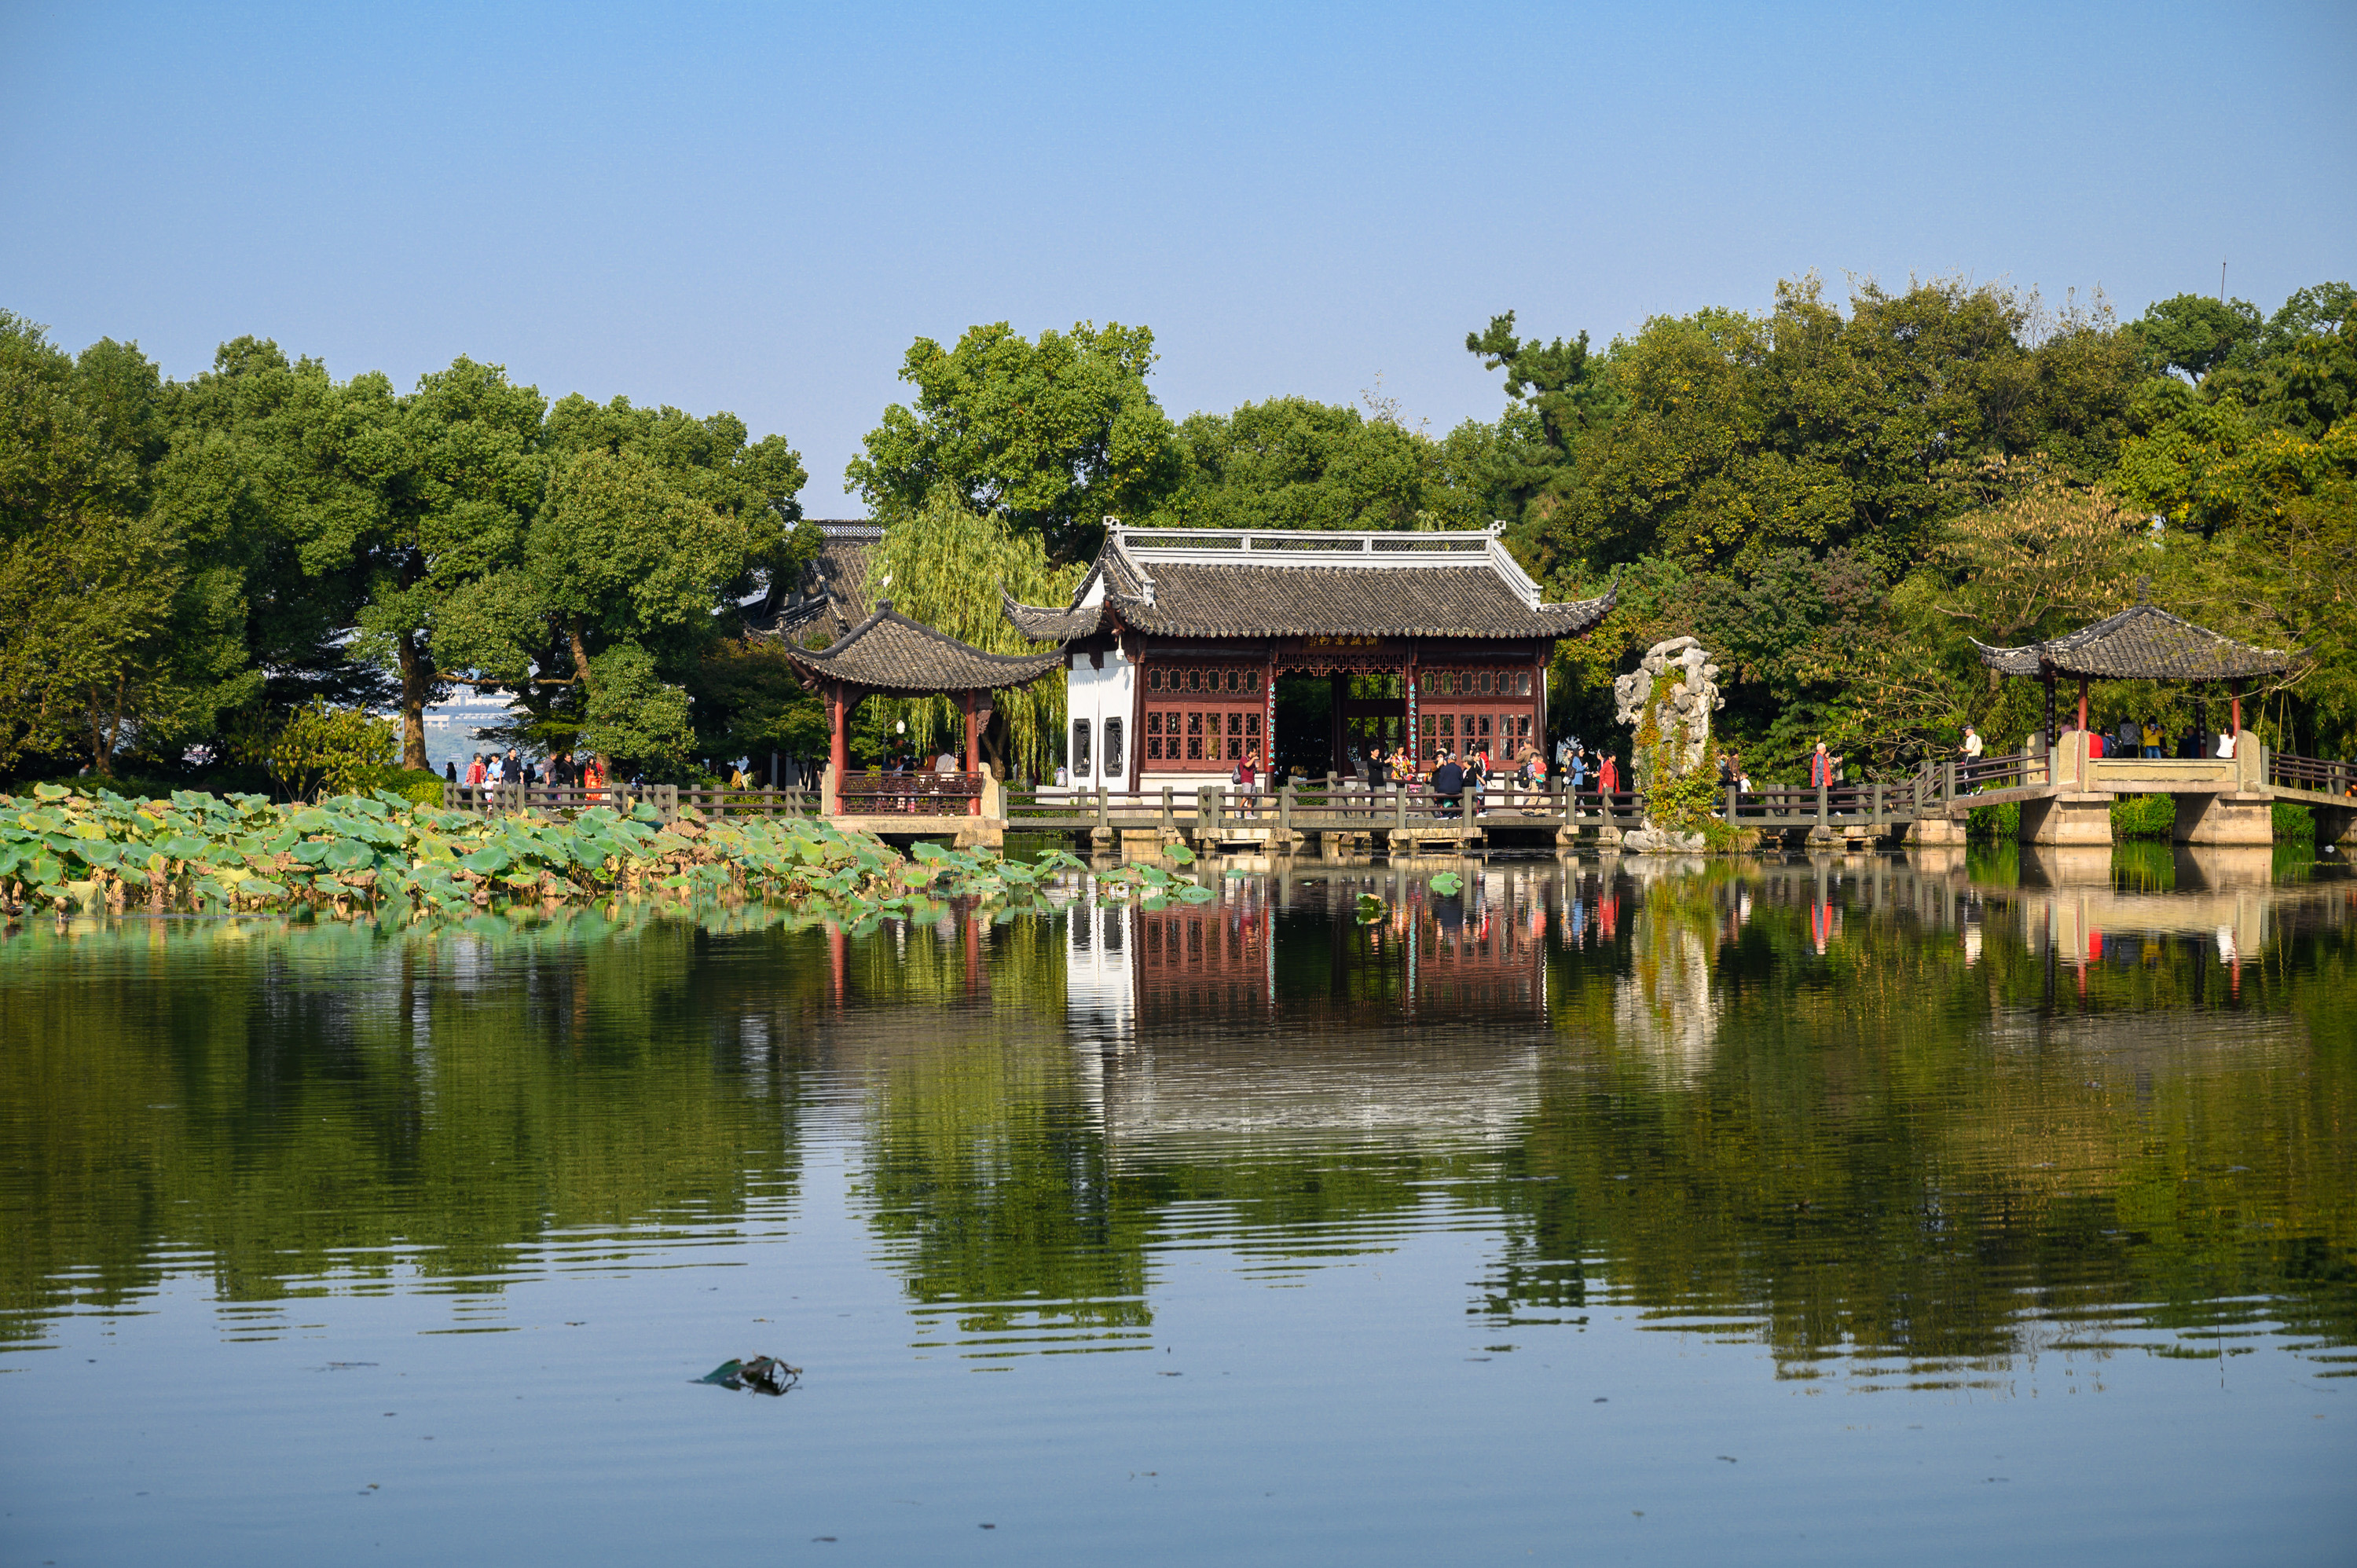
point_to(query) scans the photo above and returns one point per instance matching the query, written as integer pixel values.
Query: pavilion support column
(1338, 685)
(1268, 720)
(968, 707)
(2237, 690)
(2082, 704)
(838, 747)
(1410, 739)
(2052, 734)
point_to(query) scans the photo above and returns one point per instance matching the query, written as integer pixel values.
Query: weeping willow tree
(943, 565)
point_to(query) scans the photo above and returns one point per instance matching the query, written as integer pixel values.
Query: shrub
(418, 786)
(2144, 816)
(1995, 823)
(321, 750)
(2295, 822)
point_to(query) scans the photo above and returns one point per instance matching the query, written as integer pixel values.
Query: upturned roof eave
(838, 663)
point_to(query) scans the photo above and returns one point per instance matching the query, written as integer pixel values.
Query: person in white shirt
(1971, 744)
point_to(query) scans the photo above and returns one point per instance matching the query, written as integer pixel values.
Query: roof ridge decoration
(1259, 583)
(2142, 642)
(890, 652)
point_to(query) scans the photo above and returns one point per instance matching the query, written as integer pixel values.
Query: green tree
(112, 634)
(1050, 437)
(460, 475)
(654, 525)
(2193, 334)
(1296, 464)
(1557, 393)
(945, 566)
(256, 482)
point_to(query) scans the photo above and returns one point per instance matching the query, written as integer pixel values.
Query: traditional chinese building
(1177, 640)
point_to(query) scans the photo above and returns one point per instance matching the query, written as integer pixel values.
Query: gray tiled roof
(1173, 599)
(1046, 625)
(833, 592)
(890, 652)
(2143, 642)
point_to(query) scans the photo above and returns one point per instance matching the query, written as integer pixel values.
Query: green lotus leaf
(491, 857)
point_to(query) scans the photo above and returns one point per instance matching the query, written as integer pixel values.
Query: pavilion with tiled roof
(2143, 642)
(1176, 639)
(890, 655)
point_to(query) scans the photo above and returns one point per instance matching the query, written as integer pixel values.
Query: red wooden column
(2082, 704)
(1268, 720)
(966, 705)
(1409, 673)
(2237, 690)
(838, 747)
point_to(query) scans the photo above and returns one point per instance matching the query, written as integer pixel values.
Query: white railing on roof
(1224, 544)
(1310, 547)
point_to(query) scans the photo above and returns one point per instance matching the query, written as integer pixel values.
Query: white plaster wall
(1097, 695)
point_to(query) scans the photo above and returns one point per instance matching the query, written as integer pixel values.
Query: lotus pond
(827, 1209)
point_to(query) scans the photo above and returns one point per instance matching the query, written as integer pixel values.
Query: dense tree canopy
(1835, 495)
(192, 565)
(1292, 463)
(1051, 437)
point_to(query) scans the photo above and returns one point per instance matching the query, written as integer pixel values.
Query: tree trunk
(414, 681)
(102, 747)
(588, 691)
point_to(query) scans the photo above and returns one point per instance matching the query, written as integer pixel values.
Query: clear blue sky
(758, 208)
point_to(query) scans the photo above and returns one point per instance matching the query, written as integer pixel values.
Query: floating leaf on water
(760, 1375)
(1447, 884)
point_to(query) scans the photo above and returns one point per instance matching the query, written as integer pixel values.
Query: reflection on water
(1899, 1123)
(1867, 1109)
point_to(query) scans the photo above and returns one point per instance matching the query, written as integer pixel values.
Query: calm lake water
(1858, 1210)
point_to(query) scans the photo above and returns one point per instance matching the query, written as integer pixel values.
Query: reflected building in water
(1280, 1010)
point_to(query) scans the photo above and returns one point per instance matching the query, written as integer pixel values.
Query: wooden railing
(565, 799)
(924, 794)
(2311, 773)
(719, 801)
